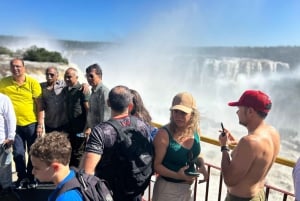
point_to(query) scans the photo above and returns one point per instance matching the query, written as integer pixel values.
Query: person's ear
(108, 103)
(251, 110)
(130, 107)
(55, 166)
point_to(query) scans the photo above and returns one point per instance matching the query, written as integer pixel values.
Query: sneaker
(21, 183)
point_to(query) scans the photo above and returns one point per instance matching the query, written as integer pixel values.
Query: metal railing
(269, 189)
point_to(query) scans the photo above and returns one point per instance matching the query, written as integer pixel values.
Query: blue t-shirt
(73, 194)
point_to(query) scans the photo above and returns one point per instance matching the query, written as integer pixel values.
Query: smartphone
(223, 130)
(192, 173)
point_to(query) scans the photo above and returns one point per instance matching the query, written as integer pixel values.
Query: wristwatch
(224, 148)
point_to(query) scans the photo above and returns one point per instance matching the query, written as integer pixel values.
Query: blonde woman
(177, 145)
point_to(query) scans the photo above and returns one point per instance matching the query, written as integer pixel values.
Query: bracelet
(40, 126)
(224, 148)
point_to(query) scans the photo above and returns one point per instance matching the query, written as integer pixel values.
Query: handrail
(279, 160)
(268, 188)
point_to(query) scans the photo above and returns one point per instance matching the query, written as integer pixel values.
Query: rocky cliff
(35, 69)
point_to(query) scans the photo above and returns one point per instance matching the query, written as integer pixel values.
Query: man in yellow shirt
(24, 92)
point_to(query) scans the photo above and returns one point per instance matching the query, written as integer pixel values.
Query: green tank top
(177, 156)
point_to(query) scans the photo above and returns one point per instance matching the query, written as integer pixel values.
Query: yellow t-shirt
(22, 97)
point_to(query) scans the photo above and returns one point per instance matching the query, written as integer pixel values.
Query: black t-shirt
(102, 141)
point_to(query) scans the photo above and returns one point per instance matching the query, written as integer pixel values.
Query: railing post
(195, 189)
(207, 183)
(267, 193)
(284, 197)
(149, 191)
(220, 186)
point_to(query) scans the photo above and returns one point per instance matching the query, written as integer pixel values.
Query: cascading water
(214, 81)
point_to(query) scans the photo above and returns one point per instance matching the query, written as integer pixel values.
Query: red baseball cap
(256, 99)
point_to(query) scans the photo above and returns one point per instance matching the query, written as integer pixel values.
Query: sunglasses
(50, 74)
(90, 76)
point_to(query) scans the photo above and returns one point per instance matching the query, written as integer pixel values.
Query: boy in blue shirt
(50, 156)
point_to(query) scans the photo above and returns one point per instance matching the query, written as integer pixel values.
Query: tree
(42, 55)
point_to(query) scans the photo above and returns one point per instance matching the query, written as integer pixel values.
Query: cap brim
(182, 108)
(234, 104)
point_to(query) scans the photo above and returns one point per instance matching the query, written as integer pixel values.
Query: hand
(85, 88)
(87, 132)
(203, 171)
(227, 139)
(8, 142)
(183, 176)
(39, 131)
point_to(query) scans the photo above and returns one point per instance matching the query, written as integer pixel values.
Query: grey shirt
(98, 108)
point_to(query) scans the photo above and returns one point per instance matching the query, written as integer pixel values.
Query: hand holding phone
(223, 130)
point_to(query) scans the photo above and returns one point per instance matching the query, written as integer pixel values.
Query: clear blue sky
(182, 22)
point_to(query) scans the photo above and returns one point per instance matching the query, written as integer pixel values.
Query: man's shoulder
(105, 88)
(6, 80)
(31, 79)
(104, 128)
(125, 122)
(101, 88)
(43, 85)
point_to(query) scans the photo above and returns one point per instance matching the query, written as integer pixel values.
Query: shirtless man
(245, 173)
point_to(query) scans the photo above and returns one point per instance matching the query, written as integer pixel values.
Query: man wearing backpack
(112, 146)
(50, 156)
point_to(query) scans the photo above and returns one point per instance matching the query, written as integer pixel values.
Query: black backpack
(133, 160)
(91, 187)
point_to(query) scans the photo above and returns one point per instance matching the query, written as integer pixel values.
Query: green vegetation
(35, 54)
(4, 50)
(42, 55)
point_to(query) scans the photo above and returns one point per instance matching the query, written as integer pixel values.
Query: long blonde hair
(193, 124)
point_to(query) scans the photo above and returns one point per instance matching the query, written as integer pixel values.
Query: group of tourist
(76, 134)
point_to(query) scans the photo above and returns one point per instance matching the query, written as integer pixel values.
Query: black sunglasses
(89, 76)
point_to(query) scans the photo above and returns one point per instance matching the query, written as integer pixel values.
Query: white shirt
(7, 119)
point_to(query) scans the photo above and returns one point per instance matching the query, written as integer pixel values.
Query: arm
(107, 110)
(201, 168)
(40, 116)
(242, 157)
(87, 129)
(200, 164)
(85, 96)
(37, 96)
(10, 120)
(85, 88)
(89, 162)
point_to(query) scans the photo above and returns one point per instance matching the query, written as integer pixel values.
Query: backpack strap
(69, 185)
